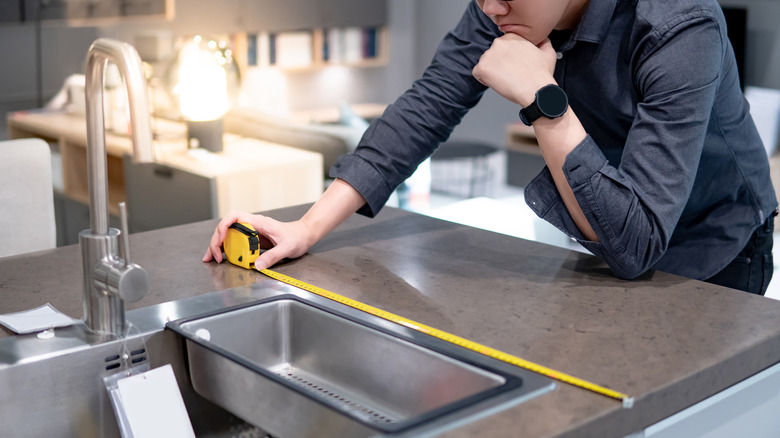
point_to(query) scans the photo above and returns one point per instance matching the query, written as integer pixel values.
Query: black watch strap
(529, 114)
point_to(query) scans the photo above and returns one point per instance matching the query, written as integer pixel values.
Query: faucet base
(104, 310)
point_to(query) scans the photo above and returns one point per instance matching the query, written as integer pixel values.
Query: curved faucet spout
(108, 278)
(129, 63)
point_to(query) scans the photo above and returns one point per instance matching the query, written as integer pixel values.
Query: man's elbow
(628, 267)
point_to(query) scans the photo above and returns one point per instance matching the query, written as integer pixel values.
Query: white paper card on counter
(36, 320)
(153, 405)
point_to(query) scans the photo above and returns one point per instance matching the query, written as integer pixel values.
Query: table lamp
(205, 78)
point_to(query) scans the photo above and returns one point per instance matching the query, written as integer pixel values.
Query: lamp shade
(204, 79)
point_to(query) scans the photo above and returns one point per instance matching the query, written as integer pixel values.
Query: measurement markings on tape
(453, 339)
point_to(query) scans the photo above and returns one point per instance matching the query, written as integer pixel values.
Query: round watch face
(552, 101)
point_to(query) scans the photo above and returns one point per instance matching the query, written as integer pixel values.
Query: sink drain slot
(138, 356)
(359, 409)
(135, 357)
(113, 362)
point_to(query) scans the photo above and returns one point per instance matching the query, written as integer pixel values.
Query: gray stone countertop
(665, 340)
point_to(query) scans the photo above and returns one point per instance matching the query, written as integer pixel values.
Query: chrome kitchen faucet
(108, 278)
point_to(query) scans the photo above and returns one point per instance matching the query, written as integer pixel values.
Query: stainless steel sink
(283, 359)
(353, 375)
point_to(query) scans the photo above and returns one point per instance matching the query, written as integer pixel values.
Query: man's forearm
(338, 202)
(558, 137)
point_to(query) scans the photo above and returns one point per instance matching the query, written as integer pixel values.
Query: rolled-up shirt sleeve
(634, 207)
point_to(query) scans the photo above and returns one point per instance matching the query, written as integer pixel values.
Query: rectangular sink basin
(296, 368)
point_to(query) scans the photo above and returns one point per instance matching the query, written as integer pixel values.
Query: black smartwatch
(551, 102)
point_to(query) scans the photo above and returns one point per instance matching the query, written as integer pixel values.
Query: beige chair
(26, 197)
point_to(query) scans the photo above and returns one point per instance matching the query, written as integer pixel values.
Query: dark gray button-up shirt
(672, 175)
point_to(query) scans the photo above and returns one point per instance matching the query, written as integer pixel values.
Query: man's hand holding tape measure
(289, 239)
(278, 239)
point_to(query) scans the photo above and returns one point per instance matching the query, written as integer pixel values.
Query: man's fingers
(269, 234)
(215, 245)
(268, 259)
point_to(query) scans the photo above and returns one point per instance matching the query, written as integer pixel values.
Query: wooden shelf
(313, 46)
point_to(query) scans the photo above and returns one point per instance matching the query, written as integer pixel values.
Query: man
(653, 161)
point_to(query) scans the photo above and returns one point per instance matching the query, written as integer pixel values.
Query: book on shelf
(350, 45)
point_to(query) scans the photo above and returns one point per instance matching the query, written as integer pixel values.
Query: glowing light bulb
(202, 85)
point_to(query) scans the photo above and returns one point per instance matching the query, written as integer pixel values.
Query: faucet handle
(133, 281)
(124, 236)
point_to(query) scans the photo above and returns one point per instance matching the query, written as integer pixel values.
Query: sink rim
(512, 380)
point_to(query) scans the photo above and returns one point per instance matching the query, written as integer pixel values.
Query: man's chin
(523, 32)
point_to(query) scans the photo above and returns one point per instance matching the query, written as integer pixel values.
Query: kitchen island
(667, 341)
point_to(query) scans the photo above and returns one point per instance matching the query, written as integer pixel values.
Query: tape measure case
(242, 245)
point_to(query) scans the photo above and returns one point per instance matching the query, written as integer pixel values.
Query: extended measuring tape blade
(628, 402)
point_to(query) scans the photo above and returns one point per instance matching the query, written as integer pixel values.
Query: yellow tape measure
(453, 339)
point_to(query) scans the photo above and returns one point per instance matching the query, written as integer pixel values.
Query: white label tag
(153, 405)
(35, 320)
